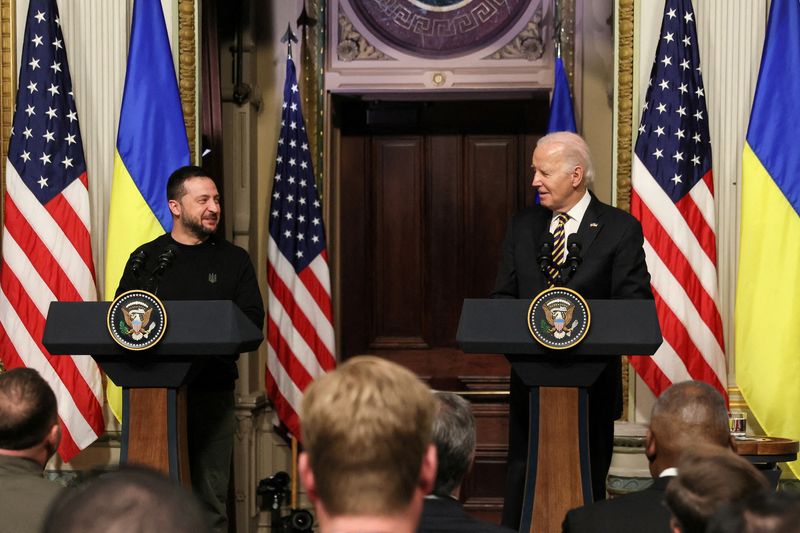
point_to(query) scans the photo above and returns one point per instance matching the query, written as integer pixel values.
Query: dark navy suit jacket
(446, 515)
(612, 266)
(638, 511)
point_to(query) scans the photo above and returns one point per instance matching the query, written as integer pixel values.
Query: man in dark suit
(686, 415)
(606, 245)
(454, 436)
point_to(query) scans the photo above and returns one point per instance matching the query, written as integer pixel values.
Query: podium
(557, 475)
(152, 380)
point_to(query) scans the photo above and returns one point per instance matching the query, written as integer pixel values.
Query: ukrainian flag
(151, 143)
(768, 291)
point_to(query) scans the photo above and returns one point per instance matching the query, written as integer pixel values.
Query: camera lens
(301, 520)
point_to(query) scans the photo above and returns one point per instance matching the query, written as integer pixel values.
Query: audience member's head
(28, 416)
(454, 436)
(764, 512)
(686, 414)
(366, 431)
(129, 500)
(708, 478)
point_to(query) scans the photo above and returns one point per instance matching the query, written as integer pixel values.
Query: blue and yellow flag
(768, 289)
(151, 143)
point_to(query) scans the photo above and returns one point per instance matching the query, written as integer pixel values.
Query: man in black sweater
(200, 265)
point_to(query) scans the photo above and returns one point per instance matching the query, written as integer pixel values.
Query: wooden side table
(766, 452)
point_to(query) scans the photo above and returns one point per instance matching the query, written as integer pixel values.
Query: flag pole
(294, 503)
(558, 28)
(289, 37)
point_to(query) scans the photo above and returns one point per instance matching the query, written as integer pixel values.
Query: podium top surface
(194, 328)
(617, 327)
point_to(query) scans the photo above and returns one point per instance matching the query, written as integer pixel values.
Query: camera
(274, 491)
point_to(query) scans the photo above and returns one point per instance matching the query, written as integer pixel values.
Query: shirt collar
(579, 209)
(671, 471)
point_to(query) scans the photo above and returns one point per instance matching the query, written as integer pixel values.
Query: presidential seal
(136, 320)
(558, 318)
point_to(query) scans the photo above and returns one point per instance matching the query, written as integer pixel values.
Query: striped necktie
(558, 255)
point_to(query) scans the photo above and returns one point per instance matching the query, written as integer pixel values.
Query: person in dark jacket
(29, 436)
(685, 415)
(454, 436)
(609, 246)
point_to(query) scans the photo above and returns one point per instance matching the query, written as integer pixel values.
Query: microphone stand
(164, 262)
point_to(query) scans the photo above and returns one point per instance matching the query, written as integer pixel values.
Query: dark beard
(197, 229)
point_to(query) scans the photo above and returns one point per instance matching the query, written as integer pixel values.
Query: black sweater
(212, 270)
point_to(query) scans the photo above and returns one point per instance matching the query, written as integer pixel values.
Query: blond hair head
(366, 427)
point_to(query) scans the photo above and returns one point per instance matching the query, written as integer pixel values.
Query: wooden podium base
(154, 431)
(558, 476)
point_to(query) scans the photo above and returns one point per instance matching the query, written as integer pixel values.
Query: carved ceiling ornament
(438, 29)
(527, 44)
(352, 45)
(441, 45)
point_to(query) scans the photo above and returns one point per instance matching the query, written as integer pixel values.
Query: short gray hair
(454, 436)
(689, 412)
(574, 150)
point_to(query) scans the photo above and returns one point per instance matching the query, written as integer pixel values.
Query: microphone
(545, 257)
(574, 258)
(164, 261)
(137, 263)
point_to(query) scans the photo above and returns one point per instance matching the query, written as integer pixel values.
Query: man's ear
(650, 445)
(577, 176)
(174, 207)
(427, 471)
(307, 477)
(53, 439)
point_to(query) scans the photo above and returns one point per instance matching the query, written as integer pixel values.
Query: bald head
(686, 414)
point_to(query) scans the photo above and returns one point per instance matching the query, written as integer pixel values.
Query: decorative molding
(312, 42)
(249, 450)
(353, 46)
(619, 485)
(568, 38)
(625, 141)
(527, 44)
(187, 70)
(625, 103)
(7, 84)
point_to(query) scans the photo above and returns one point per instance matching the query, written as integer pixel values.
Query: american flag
(299, 318)
(47, 252)
(673, 197)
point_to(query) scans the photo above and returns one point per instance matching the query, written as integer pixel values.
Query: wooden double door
(425, 192)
